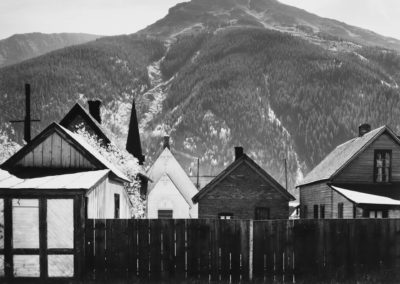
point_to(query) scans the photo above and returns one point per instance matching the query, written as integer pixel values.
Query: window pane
(1, 265)
(25, 214)
(1, 225)
(61, 265)
(26, 266)
(60, 223)
(371, 214)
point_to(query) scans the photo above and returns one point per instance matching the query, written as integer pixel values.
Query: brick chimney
(238, 152)
(166, 142)
(363, 129)
(94, 109)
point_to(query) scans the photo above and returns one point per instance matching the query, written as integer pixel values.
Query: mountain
(281, 82)
(20, 47)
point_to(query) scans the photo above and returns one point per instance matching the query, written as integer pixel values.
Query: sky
(112, 17)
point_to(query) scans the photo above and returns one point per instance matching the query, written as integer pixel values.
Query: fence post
(250, 250)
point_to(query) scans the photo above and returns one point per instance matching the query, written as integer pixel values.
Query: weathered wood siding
(361, 169)
(55, 152)
(321, 194)
(240, 193)
(101, 200)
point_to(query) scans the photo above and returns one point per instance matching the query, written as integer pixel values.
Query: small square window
(225, 216)
(165, 214)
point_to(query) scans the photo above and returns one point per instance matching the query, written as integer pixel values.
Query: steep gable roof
(77, 141)
(343, 154)
(167, 164)
(79, 111)
(243, 159)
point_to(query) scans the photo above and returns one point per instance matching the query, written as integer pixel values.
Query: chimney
(363, 129)
(27, 123)
(238, 152)
(166, 142)
(94, 109)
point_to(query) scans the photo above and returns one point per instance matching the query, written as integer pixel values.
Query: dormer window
(383, 165)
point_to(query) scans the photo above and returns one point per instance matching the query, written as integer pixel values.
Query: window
(315, 211)
(322, 211)
(376, 214)
(305, 212)
(262, 213)
(116, 206)
(340, 210)
(165, 214)
(225, 216)
(382, 165)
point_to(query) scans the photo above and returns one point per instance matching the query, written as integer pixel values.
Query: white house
(170, 190)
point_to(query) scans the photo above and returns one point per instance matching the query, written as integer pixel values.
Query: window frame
(316, 213)
(322, 211)
(376, 152)
(117, 209)
(165, 210)
(224, 215)
(340, 207)
(256, 215)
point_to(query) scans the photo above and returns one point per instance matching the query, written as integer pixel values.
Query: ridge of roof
(342, 155)
(79, 109)
(75, 138)
(243, 159)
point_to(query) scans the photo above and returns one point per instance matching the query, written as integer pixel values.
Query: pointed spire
(133, 144)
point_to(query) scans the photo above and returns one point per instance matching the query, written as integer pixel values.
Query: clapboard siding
(101, 200)
(361, 169)
(55, 152)
(321, 194)
(240, 193)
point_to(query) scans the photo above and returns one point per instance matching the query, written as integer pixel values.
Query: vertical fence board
(225, 243)
(258, 250)
(192, 249)
(155, 250)
(214, 249)
(168, 249)
(180, 250)
(89, 250)
(204, 249)
(144, 249)
(244, 249)
(100, 261)
(132, 248)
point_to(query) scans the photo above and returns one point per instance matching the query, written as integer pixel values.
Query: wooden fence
(242, 250)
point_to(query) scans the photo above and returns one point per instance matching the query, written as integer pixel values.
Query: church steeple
(133, 144)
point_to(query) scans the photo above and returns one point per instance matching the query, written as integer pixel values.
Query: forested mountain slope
(20, 47)
(291, 95)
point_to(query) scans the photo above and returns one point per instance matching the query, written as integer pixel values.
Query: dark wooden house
(47, 190)
(243, 191)
(358, 179)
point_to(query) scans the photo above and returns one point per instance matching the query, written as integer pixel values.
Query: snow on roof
(366, 198)
(81, 180)
(340, 156)
(166, 163)
(79, 139)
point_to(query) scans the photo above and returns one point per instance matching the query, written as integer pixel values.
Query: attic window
(382, 165)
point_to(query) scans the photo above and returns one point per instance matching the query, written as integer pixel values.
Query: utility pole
(27, 120)
(286, 177)
(198, 174)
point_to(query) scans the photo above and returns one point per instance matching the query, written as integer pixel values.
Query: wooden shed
(47, 190)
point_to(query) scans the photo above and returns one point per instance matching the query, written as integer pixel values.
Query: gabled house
(48, 189)
(78, 116)
(358, 179)
(170, 188)
(243, 191)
